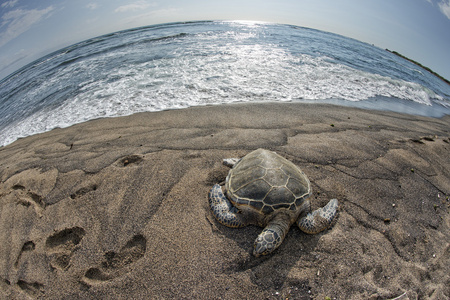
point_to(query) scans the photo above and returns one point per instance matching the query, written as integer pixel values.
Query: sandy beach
(118, 208)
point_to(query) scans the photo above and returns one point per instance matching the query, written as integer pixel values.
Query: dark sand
(117, 208)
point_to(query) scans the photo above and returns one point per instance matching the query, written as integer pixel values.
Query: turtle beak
(256, 253)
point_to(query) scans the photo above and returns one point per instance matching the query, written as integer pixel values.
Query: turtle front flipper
(223, 210)
(320, 219)
(272, 236)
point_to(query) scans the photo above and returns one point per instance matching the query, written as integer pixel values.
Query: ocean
(179, 65)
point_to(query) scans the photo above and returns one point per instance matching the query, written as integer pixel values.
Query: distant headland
(420, 65)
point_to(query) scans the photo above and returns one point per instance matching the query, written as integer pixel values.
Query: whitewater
(179, 65)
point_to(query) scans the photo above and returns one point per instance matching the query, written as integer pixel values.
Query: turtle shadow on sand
(265, 271)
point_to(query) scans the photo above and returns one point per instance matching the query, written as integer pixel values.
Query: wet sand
(118, 209)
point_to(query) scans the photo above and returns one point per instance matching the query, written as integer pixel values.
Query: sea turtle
(267, 190)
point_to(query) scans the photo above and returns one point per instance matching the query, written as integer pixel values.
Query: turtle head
(266, 242)
(272, 236)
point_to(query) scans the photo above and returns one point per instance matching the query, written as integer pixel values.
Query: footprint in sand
(61, 245)
(28, 246)
(27, 198)
(114, 264)
(83, 191)
(34, 289)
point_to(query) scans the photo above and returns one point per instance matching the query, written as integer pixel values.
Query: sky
(418, 29)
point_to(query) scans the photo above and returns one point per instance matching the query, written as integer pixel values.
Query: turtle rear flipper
(223, 210)
(230, 162)
(320, 219)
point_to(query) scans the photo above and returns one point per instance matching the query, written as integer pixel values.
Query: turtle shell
(265, 181)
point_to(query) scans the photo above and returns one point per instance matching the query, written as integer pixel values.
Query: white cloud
(9, 3)
(19, 21)
(444, 6)
(92, 6)
(139, 5)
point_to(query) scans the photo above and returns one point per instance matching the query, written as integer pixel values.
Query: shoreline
(118, 206)
(379, 104)
(400, 106)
